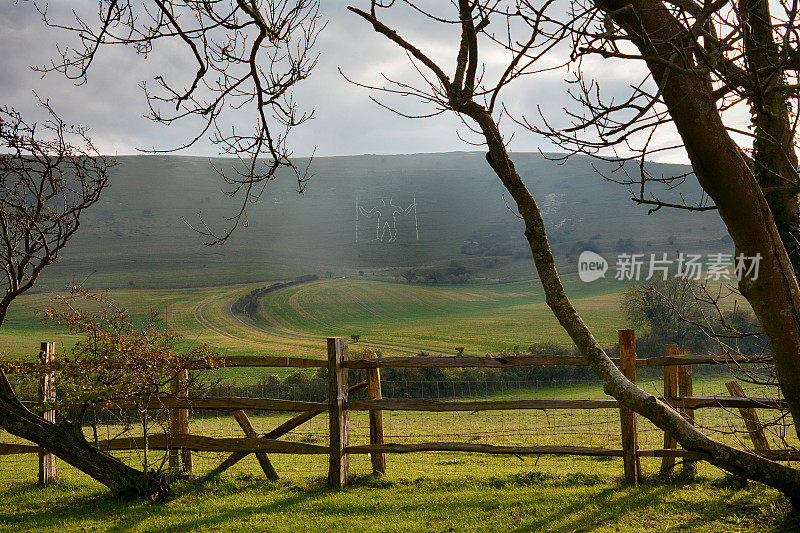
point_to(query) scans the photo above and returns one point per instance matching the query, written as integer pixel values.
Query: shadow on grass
(30, 507)
(68, 506)
(525, 502)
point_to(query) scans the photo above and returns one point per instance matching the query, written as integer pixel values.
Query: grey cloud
(346, 121)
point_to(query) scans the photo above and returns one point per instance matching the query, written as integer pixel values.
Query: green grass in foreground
(436, 491)
(534, 501)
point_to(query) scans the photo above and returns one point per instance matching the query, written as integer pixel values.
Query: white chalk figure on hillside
(386, 225)
(375, 212)
(405, 212)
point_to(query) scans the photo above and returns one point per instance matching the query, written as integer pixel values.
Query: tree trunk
(66, 441)
(739, 462)
(755, 233)
(774, 156)
(725, 175)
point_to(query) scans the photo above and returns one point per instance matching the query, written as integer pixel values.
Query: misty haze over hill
(373, 213)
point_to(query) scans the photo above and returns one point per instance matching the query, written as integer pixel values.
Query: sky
(346, 122)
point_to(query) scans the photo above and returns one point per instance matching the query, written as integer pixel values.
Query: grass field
(482, 318)
(567, 501)
(395, 317)
(434, 491)
(421, 492)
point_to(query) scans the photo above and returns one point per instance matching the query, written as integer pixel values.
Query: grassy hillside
(136, 243)
(135, 237)
(395, 317)
(481, 318)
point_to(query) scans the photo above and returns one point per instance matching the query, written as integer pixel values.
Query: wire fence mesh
(525, 427)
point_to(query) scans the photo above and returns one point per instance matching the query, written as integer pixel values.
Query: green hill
(374, 214)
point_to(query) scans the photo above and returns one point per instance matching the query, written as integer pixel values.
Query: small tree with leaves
(119, 360)
(116, 362)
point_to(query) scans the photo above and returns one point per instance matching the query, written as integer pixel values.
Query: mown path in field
(397, 318)
(268, 328)
(405, 319)
(267, 333)
(378, 309)
(274, 330)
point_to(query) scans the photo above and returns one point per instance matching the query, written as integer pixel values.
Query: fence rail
(180, 443)
(541, 360)
(689, 402)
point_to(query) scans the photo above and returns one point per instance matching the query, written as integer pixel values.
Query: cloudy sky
(346, 122)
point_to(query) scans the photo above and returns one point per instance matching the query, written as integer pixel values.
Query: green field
(395, 317)
(482, 318)
(425, 491)
(562, 502)
(421, 492)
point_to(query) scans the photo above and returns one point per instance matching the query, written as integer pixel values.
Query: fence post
(375, 417)
(630, 443)
(685, 389)
(47, 393)
(179, 422)
(670, 391)
(339, 463)
(751, 422)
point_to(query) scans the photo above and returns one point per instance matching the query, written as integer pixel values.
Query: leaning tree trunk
(736, 461)
(725, 175)
(740, 462)
(66, 441)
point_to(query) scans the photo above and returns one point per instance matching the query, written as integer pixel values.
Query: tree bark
(66, 441)
(726, 176)
(723, 173)
(739, 462)
(774, 154)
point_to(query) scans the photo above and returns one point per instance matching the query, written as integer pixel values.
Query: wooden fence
(677, 367)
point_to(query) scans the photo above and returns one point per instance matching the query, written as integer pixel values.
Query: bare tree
(704, 67)
(701, 316)
(45, 185)
(472, 97)
(734, 331)
(249, 55)
(50, 173)
(707, 66)
(670, 310)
